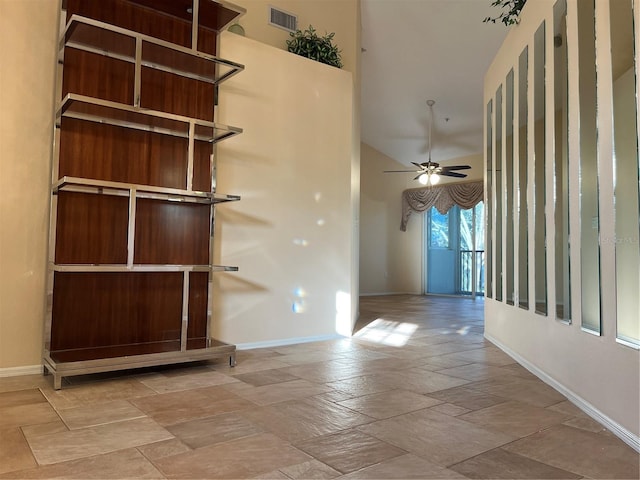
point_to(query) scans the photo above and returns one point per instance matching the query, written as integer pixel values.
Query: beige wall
(595, 372)
(290, 233)
(28, 30)
(391, 261)
(339, 16)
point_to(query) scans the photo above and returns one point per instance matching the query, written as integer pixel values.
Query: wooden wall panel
(138, 18)
(158, 92)
(97, 76)
(114, 309)
(106, 152)
(198, 295)
(171, 233)
(207, 41)
(91, 229)
(202, 166)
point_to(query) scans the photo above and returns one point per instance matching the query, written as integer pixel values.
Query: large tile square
(100, 391)
(499, 463)
(533, 392)
(438, 438)
(28, 414)
(243, 458)
(299, 420)
(86, 442)
(99, 414)
(389, 404)
(180, 407)
(216, 429)
(515, 418)
(15, 453)
(581, 452)
(404, 467)
(128, 463)
(313, 469)
(277, 392)
(467, 398)
(21, 398)
(266, 377)
(185, 381)
(349, 450)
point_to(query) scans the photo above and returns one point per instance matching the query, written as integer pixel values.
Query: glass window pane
(540, 231)
(439, 232)
(625, 118)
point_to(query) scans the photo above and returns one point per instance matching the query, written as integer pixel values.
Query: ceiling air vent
(282, 19)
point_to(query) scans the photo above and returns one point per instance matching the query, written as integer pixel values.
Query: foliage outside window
(510, 11)
(439, 237)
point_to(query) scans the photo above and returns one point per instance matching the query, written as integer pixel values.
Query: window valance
(443, 197)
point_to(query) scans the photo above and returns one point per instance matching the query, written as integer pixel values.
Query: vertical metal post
(131, 230)
(185, 312)
(194, 24)
(137, 79)
(190, 154)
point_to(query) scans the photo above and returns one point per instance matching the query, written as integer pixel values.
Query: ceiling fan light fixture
(429, 178)
(429, 172)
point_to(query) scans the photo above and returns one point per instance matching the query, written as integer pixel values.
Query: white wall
(291, 234)
(599, 374)
(28, 30)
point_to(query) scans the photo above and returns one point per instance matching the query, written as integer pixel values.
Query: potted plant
(309, 44)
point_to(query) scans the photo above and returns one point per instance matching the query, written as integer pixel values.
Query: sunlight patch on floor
(386, 332)
(464, 330)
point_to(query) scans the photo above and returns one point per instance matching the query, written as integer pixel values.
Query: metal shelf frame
(144, 51)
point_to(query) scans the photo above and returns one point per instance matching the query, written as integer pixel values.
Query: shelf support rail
(131, 230)
(185, 312)
(138, 73)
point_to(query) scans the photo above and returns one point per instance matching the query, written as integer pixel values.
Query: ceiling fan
(429, 172)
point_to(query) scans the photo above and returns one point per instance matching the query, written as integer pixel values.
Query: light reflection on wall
(299, 304)
(343, 314)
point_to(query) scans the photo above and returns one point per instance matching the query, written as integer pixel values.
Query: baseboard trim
(17, 371)
(287, 341)
(618, 430)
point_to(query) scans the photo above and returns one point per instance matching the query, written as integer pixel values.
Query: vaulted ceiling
(415, 50)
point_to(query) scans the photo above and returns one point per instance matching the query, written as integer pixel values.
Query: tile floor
(417, 393)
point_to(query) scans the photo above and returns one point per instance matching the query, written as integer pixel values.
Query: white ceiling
(417, 50)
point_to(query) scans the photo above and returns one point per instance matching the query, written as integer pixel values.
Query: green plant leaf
(309, 44)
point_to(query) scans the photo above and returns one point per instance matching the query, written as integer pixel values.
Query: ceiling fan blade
(419, 165)
(453, 174)
(399, 171)
(457, 167)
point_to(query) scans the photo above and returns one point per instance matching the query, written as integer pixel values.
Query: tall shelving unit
(133, 185)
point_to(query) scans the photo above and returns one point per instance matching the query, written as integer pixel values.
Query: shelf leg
(57, 381)
(232, 360)
(45, 371)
